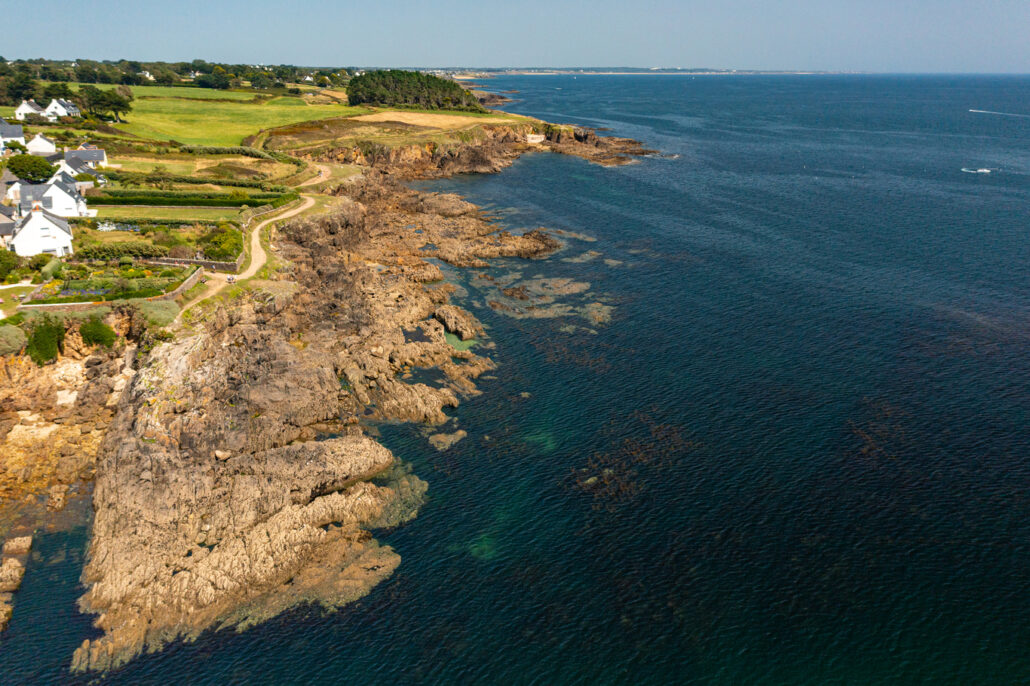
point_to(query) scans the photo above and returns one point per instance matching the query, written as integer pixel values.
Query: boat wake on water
(1001, 114)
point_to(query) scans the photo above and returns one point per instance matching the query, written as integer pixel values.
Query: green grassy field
(207, 214)
(220, 123)
(201, 116)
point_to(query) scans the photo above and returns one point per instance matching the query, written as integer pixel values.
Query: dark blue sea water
(807, 417)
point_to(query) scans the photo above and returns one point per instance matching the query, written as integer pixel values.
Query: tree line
(396, 87)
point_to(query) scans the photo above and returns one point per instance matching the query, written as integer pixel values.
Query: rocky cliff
(493, 148)
(235, 481)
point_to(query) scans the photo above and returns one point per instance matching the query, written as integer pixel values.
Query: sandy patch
(435, 121)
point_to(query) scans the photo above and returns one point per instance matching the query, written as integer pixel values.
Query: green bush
(52, 269)
(125, 261)
(224, 243)
(45, 341)
(95, 332)
(8, 262)
(12, 339)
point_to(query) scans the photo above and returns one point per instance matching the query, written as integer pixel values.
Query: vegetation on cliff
(410, 88)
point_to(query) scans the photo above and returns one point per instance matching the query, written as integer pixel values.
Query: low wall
(213, 265)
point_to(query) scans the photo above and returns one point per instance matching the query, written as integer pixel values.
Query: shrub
(224, 243)
(37, 262)
(45, 341)
(8, 262)
(52, 269)
(12, 339)
(125, 261)
(95, 332)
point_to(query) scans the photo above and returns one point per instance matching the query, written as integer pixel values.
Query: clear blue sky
(864, 35)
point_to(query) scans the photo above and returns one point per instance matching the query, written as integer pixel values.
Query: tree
(85, 74)
(397, 87)
(30, 168)
(21, 86)
(57, 90)
(219, 81)
(261, 80)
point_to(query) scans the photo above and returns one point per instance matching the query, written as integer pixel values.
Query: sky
(832, 35)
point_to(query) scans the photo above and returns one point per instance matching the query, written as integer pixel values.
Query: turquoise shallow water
(807, 416)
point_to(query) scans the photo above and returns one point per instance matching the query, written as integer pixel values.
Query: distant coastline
(486, 74)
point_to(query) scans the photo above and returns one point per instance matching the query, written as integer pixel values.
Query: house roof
(36, 193)
(70, 106)
(93, 155)
(77, 166)
(11, 130)
(32, 105)
(7, 178)
(40, 136)
(51, 217)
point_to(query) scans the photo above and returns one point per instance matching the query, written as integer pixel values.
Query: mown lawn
(157, 213)
(221, 123)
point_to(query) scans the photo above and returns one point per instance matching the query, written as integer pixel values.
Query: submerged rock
(444, 442)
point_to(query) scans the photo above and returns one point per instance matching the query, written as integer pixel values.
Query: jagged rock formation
(496, 148)
(235, 481)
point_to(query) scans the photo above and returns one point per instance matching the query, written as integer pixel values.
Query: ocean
(765, 420)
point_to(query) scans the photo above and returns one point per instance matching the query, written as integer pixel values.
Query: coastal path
(258, 256)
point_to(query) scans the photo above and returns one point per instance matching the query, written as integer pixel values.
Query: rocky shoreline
(233, 476)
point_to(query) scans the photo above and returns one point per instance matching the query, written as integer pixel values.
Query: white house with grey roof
(41, 145)
(57, 197)
(59, 107)
(28, 108)
(74, 167)
(12, 133)
(94, 157)
(40, 232)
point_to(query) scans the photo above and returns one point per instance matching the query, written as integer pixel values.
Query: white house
(41, 145)
(39, 231)
(27, 108)
(12, 132)
(93, 157)
(58, 197)
(61, 108)
(73, 168)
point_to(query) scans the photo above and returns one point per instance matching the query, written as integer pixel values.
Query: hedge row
(183, 198)
(92, 222)
(244, 150)
(140, 178)
(109, 251)
(134, 192)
